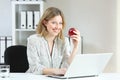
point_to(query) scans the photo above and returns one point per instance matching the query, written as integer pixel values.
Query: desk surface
(27, 76)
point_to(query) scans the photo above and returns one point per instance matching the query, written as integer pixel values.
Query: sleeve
(66, 53)
(33, 57)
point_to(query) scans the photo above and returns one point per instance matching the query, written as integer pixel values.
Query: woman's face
(54, 25)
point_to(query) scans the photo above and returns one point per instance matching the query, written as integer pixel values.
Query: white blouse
(39, 55)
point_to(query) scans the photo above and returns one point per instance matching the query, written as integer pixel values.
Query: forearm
(48, 71)
(54, 71)
(70, 59)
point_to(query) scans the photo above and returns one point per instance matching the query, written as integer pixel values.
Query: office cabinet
(23, 19)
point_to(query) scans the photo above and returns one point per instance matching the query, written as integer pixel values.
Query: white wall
(96, 20)
(5, 18)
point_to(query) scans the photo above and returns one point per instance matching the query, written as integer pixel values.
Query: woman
(48, 50)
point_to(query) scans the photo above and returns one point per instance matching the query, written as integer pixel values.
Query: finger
(75, 36)
(77, 32)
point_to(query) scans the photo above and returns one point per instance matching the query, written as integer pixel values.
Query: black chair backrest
(16, 57)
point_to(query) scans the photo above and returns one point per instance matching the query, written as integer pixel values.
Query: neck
(50, 38)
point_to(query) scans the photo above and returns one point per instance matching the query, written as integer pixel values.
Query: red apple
(71, 31)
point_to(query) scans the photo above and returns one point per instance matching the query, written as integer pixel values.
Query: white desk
(27, 76)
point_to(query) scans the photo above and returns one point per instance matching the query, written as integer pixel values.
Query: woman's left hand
(76, 38)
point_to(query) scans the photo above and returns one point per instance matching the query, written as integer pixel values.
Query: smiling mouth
(56, 30)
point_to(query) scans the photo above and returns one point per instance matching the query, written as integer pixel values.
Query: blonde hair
(48, 14)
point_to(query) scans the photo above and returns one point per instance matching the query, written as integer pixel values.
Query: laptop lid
(86, 65)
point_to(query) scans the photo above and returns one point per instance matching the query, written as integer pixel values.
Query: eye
(53, 22)
(61, 23)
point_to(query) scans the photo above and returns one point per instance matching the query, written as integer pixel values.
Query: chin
(55, 34)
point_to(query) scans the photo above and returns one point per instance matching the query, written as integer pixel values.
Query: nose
(57, 25)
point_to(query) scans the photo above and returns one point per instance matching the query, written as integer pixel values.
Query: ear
(44, 22)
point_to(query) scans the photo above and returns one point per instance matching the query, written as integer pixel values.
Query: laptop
(86, 65)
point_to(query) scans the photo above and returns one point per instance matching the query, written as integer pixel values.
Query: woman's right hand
(60, 71)
(54, 71)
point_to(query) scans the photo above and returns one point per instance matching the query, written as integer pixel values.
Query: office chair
(16, 57)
